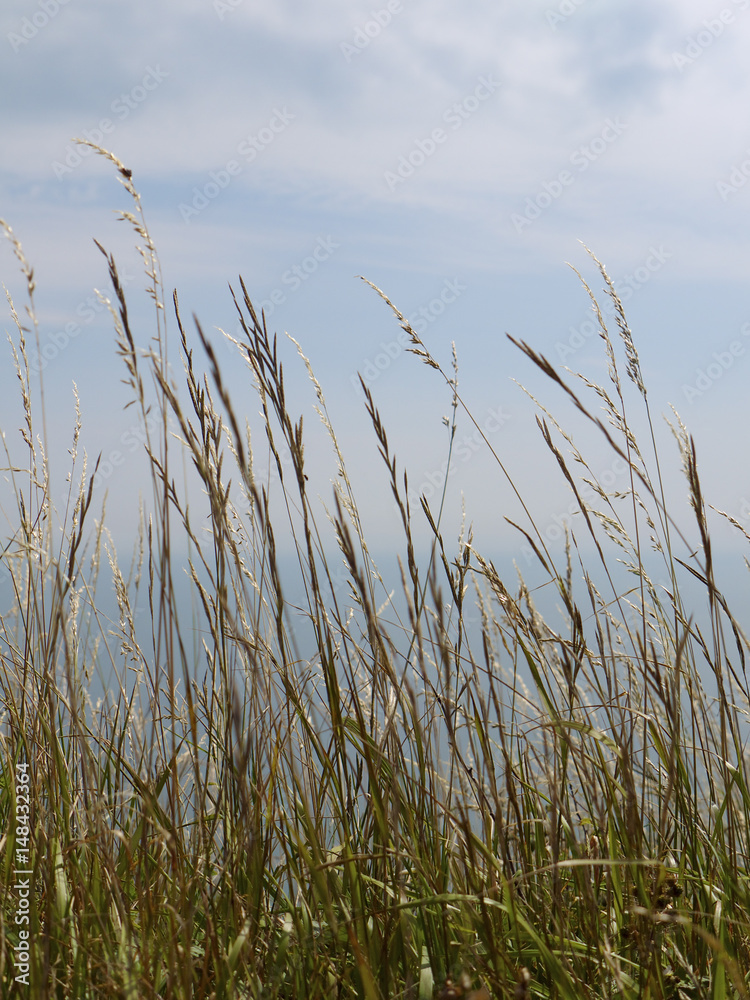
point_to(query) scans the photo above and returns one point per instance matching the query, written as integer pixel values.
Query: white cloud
(354, 119)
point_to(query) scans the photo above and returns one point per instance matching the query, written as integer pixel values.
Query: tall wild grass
(412, 811)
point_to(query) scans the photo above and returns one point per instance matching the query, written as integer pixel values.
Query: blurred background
(458, 156)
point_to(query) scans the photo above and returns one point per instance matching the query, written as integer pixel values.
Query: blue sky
(457, 155)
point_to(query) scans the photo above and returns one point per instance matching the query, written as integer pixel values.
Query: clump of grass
(410, 810)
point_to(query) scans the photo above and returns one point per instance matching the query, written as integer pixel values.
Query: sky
(458, 156)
